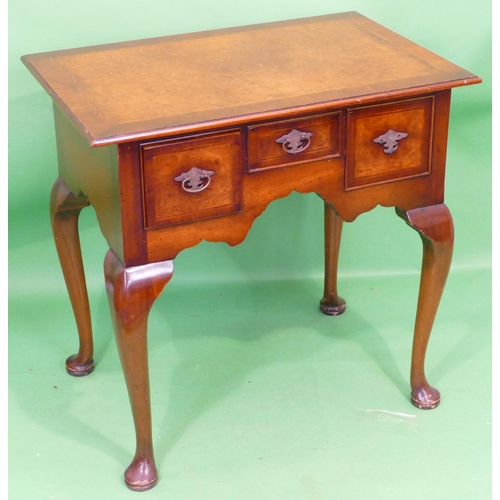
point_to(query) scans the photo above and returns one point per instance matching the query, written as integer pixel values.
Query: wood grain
(265, 152)
(368, 163)
(167, 203)
(181, 82)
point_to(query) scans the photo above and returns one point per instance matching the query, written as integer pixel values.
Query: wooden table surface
(155, 87)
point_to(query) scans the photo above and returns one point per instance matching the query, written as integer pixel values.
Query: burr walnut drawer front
(192, 178)
(290, 142)
(388, 142)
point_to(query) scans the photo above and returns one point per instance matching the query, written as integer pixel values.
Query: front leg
(131, 293)
(435, 226)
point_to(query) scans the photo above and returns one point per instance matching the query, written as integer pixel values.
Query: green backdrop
(50, 428)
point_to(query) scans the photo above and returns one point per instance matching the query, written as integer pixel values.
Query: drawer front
(191, 179)
(290, 142)
(389, 142)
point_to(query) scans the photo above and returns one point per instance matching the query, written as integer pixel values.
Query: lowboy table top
(155, 87)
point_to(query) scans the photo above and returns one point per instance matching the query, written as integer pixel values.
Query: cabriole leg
(131, 293)
(64, 211)
(435, 226)
(331, 303)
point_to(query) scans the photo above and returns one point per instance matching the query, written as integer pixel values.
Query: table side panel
(132, 205)
(436, 184)
(92, 172)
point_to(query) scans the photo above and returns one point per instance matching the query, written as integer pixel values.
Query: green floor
(255, 393)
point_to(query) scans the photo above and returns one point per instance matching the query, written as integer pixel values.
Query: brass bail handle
(295, 141)
(390, 140)
(196, 180)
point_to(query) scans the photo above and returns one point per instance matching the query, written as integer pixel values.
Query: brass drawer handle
(390, 140)
(195, 180)
(295, 141)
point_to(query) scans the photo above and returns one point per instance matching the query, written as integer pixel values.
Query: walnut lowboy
(180, 139)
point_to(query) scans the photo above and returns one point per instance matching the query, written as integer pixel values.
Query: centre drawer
(290, 142)
(192, 178)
